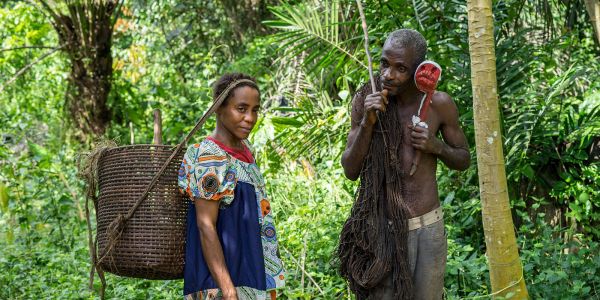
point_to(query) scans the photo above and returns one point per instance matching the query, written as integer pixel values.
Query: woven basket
(140, 214)
(152, 244)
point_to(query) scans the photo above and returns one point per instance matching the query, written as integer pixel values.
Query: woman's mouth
(246, 130)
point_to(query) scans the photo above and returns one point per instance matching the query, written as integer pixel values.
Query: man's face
(396, 68)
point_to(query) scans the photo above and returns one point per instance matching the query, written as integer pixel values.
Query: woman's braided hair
(224, 81)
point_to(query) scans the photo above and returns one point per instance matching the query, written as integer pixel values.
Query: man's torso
(420, 190)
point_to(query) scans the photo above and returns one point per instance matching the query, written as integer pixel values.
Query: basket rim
(125, 147)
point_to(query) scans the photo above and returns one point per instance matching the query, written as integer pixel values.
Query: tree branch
(27, 67)
(27, 47)
(303, 270)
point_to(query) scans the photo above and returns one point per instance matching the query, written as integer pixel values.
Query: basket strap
(115, 228)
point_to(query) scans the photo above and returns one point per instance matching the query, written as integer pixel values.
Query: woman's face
(240, 113)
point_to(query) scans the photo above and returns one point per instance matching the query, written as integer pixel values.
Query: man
(393, 245)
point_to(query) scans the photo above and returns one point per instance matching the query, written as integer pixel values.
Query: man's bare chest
(405, 116)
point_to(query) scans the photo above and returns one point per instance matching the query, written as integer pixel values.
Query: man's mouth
(388, 86)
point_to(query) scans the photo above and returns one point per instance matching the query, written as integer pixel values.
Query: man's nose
(387, 74)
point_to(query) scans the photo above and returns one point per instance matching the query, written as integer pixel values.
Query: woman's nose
(251, 117)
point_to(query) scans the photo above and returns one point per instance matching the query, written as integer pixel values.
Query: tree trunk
(593, 8)
(245, 16)
(85, 29)
(506, 271)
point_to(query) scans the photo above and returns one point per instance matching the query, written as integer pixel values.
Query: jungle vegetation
(66, 83)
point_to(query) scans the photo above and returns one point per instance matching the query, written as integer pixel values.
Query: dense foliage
(308, 58)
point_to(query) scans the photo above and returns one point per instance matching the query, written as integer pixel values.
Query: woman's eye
(241, 109)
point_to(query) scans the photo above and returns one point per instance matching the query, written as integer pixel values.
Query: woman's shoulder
(205, 149)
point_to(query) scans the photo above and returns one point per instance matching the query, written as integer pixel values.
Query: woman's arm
(207, 212)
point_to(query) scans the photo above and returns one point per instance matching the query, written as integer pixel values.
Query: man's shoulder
(442, 101)
(445, 107)
(441, 98)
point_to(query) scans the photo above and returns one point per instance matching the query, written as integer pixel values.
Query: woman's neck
(224, 136)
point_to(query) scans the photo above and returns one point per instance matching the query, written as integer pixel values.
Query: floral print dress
(245, 225)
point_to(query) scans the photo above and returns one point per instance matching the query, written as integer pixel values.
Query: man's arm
(207, 212)
(454, 149)
(364, 117)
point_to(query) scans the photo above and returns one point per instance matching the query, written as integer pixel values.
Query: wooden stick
(157, 127)
(370, 64)
(131, 136)
(303, 263)
(366, 32)
(303, 270)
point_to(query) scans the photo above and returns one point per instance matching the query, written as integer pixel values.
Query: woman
(231, 246)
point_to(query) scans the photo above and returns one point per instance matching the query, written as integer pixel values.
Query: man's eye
(241, 109)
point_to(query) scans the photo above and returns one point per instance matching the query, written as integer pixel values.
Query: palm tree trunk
(85, 30)
(506, 271)
(593, 8)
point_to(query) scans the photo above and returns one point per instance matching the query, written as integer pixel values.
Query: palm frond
(422, 12)
(315, 30)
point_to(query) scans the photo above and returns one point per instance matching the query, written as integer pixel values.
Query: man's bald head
(408, 39)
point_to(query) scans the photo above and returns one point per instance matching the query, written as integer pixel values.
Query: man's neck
(409, 96)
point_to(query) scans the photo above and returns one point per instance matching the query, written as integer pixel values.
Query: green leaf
(3, 198)
(39, 152)
(449, 198)
(528, 171)
(344, 95)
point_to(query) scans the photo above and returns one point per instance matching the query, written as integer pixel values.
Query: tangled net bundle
(373, 241)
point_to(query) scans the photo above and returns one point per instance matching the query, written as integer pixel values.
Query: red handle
(423, 112)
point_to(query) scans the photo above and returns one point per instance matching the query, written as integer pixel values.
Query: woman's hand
(230, 294)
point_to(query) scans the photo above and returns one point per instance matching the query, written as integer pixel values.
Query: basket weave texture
(152, 244)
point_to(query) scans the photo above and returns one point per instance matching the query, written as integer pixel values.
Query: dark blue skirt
(238, 229)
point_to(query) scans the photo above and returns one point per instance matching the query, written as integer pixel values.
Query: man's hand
(422, 140)
(373, 103)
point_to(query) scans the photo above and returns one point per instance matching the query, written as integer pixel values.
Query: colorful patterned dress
(245, 225)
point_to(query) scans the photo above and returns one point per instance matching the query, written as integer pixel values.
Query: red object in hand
(427, 76)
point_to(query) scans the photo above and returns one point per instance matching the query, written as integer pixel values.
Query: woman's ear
(219, 110)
